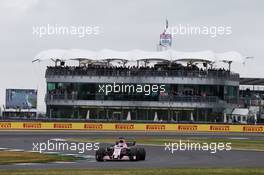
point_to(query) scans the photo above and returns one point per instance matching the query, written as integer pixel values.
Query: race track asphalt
(156, 155)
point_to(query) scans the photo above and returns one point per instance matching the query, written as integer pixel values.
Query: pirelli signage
(187, 127)
(124, 126)
(253, 128)
(131, 127)
(93, 126)
(62, 125)
(6, 125)
(156, 127)
(220, 128)
(32, 125)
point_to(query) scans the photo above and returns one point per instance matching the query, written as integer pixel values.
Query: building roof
(135, 55)
(252, 81)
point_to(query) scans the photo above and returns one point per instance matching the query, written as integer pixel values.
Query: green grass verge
(154, 171)
(9, 157)
(236, 144)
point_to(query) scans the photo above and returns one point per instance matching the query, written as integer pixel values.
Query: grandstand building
(173, 86)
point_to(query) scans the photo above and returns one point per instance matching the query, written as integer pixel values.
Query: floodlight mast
(229, 64)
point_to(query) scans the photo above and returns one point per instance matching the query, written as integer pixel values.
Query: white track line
(16, 150)
(27, 164)
(51, 152)
(58, 162)
(238, 138)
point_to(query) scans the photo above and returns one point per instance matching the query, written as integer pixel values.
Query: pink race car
(122, 150)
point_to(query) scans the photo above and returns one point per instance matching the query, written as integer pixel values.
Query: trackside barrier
(130, 127)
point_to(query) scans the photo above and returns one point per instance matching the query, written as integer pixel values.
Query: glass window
(51, 86)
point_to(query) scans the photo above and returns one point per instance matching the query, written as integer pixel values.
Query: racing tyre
(141, 153)
(99, 154)
(134, 154)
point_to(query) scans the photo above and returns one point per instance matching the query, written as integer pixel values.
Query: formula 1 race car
(122, 150)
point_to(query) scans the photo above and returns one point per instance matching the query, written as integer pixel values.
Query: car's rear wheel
(99, 154)
(141, 153)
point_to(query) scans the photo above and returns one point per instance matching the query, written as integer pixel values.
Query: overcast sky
(124, 25)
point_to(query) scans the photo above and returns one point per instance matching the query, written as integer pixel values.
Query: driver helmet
(121, 139)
